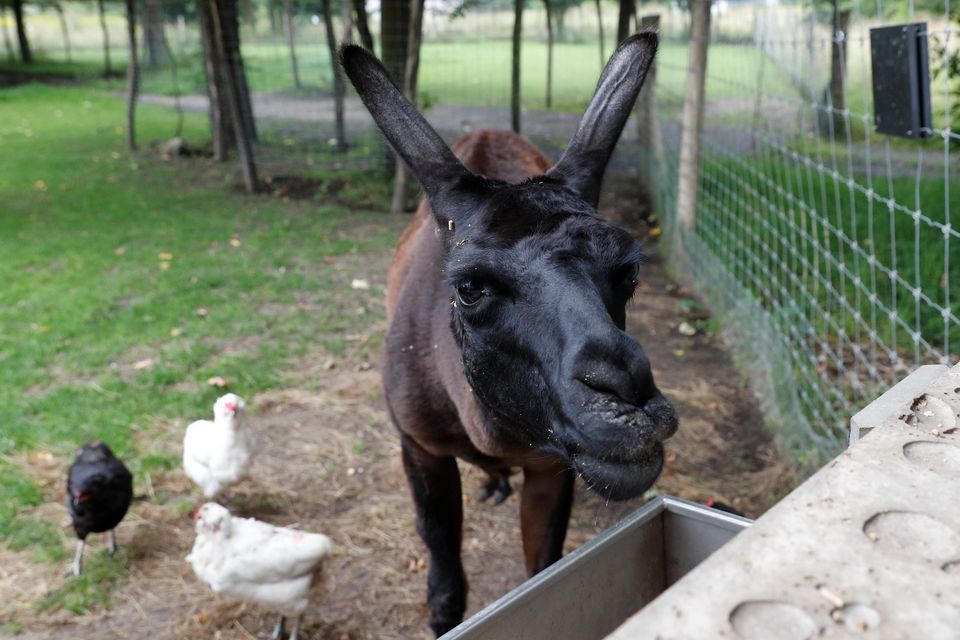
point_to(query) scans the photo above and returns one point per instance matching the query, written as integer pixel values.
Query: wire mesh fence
(826, 245)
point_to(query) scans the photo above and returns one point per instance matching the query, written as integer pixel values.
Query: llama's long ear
(582, 165)
(423, 150)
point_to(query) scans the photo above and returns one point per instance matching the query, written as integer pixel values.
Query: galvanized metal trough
(592, 591)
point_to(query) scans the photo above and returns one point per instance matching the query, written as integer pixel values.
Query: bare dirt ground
(330, 462)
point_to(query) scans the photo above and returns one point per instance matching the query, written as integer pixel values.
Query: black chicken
(99, 490)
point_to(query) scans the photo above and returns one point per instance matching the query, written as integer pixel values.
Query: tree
(291, 45)
(7, 44)
(547, 6)
(363, 28)
(133, 75)
(603, 58)
(106, 38)
(628, 11)
(339, 88)
(64, 30)
(411, 71)
(515, 74)
(394, 32)
(25, 54)
(225, 41)
(153, 36)
(223, 67)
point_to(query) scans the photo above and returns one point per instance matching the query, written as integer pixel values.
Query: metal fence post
(692, 123)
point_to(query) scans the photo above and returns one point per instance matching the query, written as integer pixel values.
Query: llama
(506, 305)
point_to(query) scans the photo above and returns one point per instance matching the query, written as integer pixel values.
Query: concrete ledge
(868, 547)
(895, 398)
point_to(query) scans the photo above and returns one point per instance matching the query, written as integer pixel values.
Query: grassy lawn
(470, 73)
(130, 282)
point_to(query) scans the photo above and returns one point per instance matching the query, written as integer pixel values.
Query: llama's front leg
(435, 485)
(545, 503)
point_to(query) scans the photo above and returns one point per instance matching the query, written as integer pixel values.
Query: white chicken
(218, 454)
(257, 562)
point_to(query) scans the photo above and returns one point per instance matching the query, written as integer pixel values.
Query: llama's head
(539, 284)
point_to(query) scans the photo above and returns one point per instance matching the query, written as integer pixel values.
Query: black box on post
(901, 80)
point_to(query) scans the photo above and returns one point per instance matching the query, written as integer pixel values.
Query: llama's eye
(468, 292)
(628, 276)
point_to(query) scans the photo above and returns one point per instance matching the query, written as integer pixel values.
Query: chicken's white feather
(218, 454)
(255, 561)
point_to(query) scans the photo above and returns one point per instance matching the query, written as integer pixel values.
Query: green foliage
(89, 292)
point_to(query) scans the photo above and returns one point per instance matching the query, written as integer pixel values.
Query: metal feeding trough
(592, 591)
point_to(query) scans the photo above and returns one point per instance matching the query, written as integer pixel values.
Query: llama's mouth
(618, 480)
(618, 448)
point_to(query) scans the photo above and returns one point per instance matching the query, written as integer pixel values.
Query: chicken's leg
(112, 545)
(279, 629)
(296, 627)
(78, 559)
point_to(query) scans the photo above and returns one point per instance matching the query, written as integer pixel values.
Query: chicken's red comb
(196, 513)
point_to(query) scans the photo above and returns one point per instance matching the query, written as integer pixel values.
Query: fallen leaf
(678, 353)
(40, 185)
(234, 242)
(360, 283)
(120, 251)
(202, 312)
(164, 265)
(140, 365)
(686, 329)
(655, 232)
(217, 381)
(175, 332)
(165, 255)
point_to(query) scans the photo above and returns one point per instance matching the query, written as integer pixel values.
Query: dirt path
(330, 462)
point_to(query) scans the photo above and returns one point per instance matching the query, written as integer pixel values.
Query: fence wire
(826, 245)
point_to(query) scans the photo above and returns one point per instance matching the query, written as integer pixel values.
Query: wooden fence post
(648, 124)
(692, 122)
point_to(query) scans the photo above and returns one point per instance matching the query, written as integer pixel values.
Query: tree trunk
(221, 122)
(288, 28)
(106, 37)
(272, 15)
(560, 21)
(227, 41)
(64, 31)
(249, 12)
(363, 26)
(230, 38)
(838, 61)
(411, 71)
(25, 53)
(153, 37)
(394, 31)
(339, 88)
(628, 10)
(515, 75)
(133, 75)
(547, 5)
(347, 18)
(7, 43)
(603, 58)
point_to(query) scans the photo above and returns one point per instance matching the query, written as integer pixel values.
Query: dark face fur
(539, 284)
(539, 290)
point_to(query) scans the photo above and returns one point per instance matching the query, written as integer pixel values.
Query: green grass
(780, 251)
(90, 290)
(101, 572)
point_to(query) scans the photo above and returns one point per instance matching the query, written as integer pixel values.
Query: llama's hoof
(497, 488)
